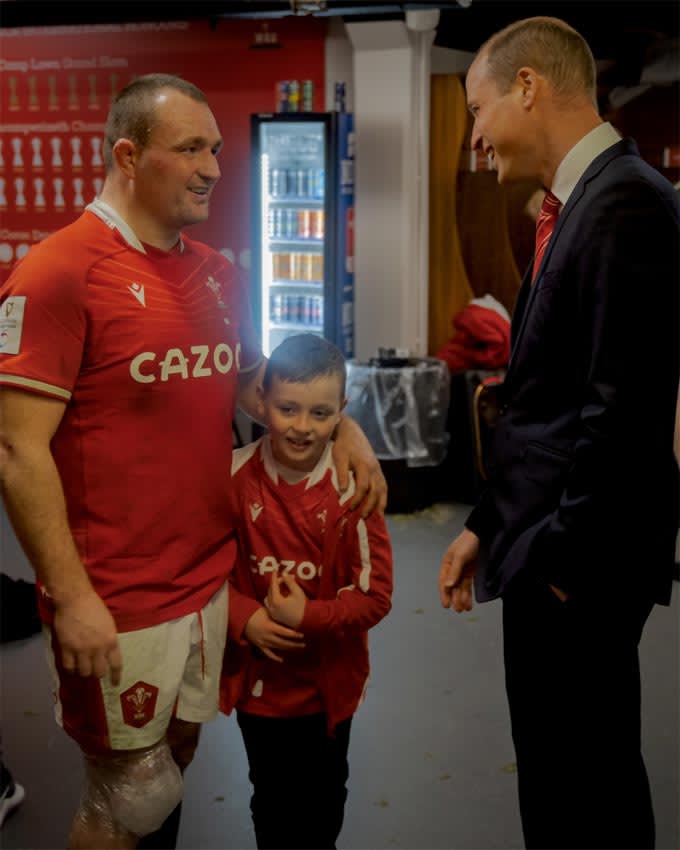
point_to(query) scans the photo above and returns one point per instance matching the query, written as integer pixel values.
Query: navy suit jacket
(583, 485)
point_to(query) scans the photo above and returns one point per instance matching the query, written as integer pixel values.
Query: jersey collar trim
(315, 476)
(113, 220)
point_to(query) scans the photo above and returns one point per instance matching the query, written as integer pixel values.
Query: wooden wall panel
(485, 239)
(449, 288)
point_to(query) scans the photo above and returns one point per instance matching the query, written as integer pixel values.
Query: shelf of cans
(306, 184)
(297, 266)
(284, 223)
(296, 310)
(293, 97)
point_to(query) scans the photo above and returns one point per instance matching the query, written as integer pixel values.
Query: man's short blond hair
(551, 47)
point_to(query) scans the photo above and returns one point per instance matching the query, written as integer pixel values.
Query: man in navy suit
(576, 528)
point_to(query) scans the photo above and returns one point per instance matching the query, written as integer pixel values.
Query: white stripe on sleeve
(365, 553)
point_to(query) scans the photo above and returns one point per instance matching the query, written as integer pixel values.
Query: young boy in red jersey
(311, 578)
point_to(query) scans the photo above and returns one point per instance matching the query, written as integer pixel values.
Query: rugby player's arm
(248, 398)
(34, 498)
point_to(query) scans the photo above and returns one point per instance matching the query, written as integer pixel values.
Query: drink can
(285, 311)
(339, 105)
(317, 266)
(317, 224)
(281, 266)
(291, 223)
(296, 266)
(277, 307)
(308, 267)
(304, 230)
(282, 94)
(293, 96)
(307, 96)
(301, 183)
(278, 223)
(270, 224)
(284, 223)
(317, 311)
(304, 265)
(303, 315)
(293, 308)
(277, 182)
(309, 182)
(318, 182)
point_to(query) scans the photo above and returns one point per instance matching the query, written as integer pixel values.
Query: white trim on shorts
(179, 663)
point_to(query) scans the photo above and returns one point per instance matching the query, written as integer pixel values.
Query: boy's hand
(267, 635)
(285, 605)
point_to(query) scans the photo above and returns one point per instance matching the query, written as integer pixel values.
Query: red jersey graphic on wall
(56, 86)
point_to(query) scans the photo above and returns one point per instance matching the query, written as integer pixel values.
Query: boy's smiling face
(301, 418)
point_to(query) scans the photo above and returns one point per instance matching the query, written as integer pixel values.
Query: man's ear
(527, 80)
(125, 155)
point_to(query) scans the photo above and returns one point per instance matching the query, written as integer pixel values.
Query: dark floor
(431, 758)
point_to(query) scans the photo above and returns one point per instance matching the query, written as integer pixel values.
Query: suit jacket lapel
(527, 292)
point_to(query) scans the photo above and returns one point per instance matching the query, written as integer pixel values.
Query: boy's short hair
(302, 358)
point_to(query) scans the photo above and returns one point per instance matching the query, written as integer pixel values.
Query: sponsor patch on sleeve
(11, 323)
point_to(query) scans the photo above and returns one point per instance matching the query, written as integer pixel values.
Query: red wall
(56, 84)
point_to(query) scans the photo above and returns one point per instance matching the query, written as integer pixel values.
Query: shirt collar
(115, 221)
(325, 462)
(574, 164)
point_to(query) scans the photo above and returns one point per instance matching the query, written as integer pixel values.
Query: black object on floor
(11, 793)
(409, 488)
(18, 609)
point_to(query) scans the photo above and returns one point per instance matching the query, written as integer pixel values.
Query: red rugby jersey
(145, 347)
(344, 565)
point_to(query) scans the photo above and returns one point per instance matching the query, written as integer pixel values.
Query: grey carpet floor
(431, 760)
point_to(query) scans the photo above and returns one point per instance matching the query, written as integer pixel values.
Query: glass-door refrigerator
(303, 226)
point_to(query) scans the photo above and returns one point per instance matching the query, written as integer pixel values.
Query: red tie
(545, 224)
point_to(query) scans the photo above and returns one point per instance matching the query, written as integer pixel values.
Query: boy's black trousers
(299, 775)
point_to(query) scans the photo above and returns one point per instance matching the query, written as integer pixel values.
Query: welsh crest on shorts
(138, 704)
